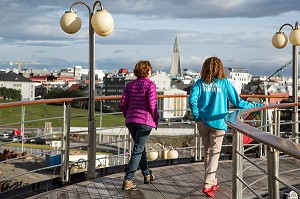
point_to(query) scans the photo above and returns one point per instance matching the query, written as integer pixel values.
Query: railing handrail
(75, 99)
(234, 121)
(112, 97)
(262, 96)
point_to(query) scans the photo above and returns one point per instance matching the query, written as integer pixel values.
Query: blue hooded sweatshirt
(209, 102)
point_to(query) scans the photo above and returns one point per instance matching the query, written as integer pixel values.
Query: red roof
(123, 71)
(66, 78)
(38, 78)
(75, 87)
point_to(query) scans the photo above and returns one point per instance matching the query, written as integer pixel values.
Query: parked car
(5, 135)
(19, 138)
(39, 141)
(9, 138)
(30, 140)
(15, 138)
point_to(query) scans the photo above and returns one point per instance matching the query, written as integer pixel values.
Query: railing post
(101, 114)
(196, 142)
(23, 126)
(129, 145)
(265, 122)
(277, 122)
(118, 146)
(273, 171)
(124, 147)
(237, 165)
(273, 163)
(198, 146)
(65, 152)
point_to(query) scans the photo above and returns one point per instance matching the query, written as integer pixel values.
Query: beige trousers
(212, 142)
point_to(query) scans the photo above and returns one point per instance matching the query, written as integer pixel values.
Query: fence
(115, 143)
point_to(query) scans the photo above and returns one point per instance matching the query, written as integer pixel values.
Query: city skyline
(238, 32)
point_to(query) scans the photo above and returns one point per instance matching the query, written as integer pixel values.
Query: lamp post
(279, 41)
(101, 22)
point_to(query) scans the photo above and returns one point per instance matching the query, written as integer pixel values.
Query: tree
(61, 93)
(10, 94)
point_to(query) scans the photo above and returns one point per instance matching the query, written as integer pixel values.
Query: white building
(81, 73)
(238, 77)
(162, 81)
(99, 74)
(18, 82)
(172, 107)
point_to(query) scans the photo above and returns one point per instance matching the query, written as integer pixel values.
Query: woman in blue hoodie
(208, 101)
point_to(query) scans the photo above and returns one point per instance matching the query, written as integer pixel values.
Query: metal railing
(118, 139)
(275, 146)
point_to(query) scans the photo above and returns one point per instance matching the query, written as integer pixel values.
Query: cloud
(204, 9)
(238, 31)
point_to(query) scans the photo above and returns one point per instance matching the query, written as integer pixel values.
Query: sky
(239, 32)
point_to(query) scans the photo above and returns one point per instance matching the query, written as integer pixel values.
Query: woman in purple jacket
(139, 106)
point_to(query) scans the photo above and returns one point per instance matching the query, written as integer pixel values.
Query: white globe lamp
(295, 37)
(70, 22)
(172, 154)
(152, 154)
(279, 40)
(103, 23)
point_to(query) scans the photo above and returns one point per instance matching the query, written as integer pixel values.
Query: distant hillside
(34, 113)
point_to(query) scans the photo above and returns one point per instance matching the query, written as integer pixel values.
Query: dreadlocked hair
(212, 68)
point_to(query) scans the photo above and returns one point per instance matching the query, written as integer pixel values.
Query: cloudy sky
(237, 31)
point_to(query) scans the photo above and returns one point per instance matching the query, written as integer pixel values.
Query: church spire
(175, 66)
(176, 45)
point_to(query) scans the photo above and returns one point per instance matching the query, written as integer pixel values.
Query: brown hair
(212, 67)
(142, 68)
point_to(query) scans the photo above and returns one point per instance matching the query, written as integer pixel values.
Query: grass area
(34, 146)
(33, 113)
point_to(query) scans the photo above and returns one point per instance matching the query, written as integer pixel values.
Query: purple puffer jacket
(138, 102)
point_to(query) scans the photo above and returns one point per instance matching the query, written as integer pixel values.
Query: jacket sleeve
(124, 102)
(152, 102)
(193, 100)
(236, 100)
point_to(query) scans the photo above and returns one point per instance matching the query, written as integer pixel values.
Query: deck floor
(175, 181)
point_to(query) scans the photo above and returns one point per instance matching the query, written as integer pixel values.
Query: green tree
(61, 93)
(10, 94)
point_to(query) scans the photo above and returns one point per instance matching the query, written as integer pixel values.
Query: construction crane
(19, 63)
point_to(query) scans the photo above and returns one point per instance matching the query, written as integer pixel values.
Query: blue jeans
(139, 133)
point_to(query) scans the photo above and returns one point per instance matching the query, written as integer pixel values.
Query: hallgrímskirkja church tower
(175, 65)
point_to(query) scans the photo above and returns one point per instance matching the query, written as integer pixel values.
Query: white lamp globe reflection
(108, 32)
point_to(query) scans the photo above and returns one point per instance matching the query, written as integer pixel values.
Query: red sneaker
(208, 191)
(215, 187)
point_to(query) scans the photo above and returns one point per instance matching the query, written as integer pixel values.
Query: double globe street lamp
(101, 22)
(280, 40)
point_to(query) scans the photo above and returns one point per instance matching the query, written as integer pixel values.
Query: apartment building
(18, 82)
